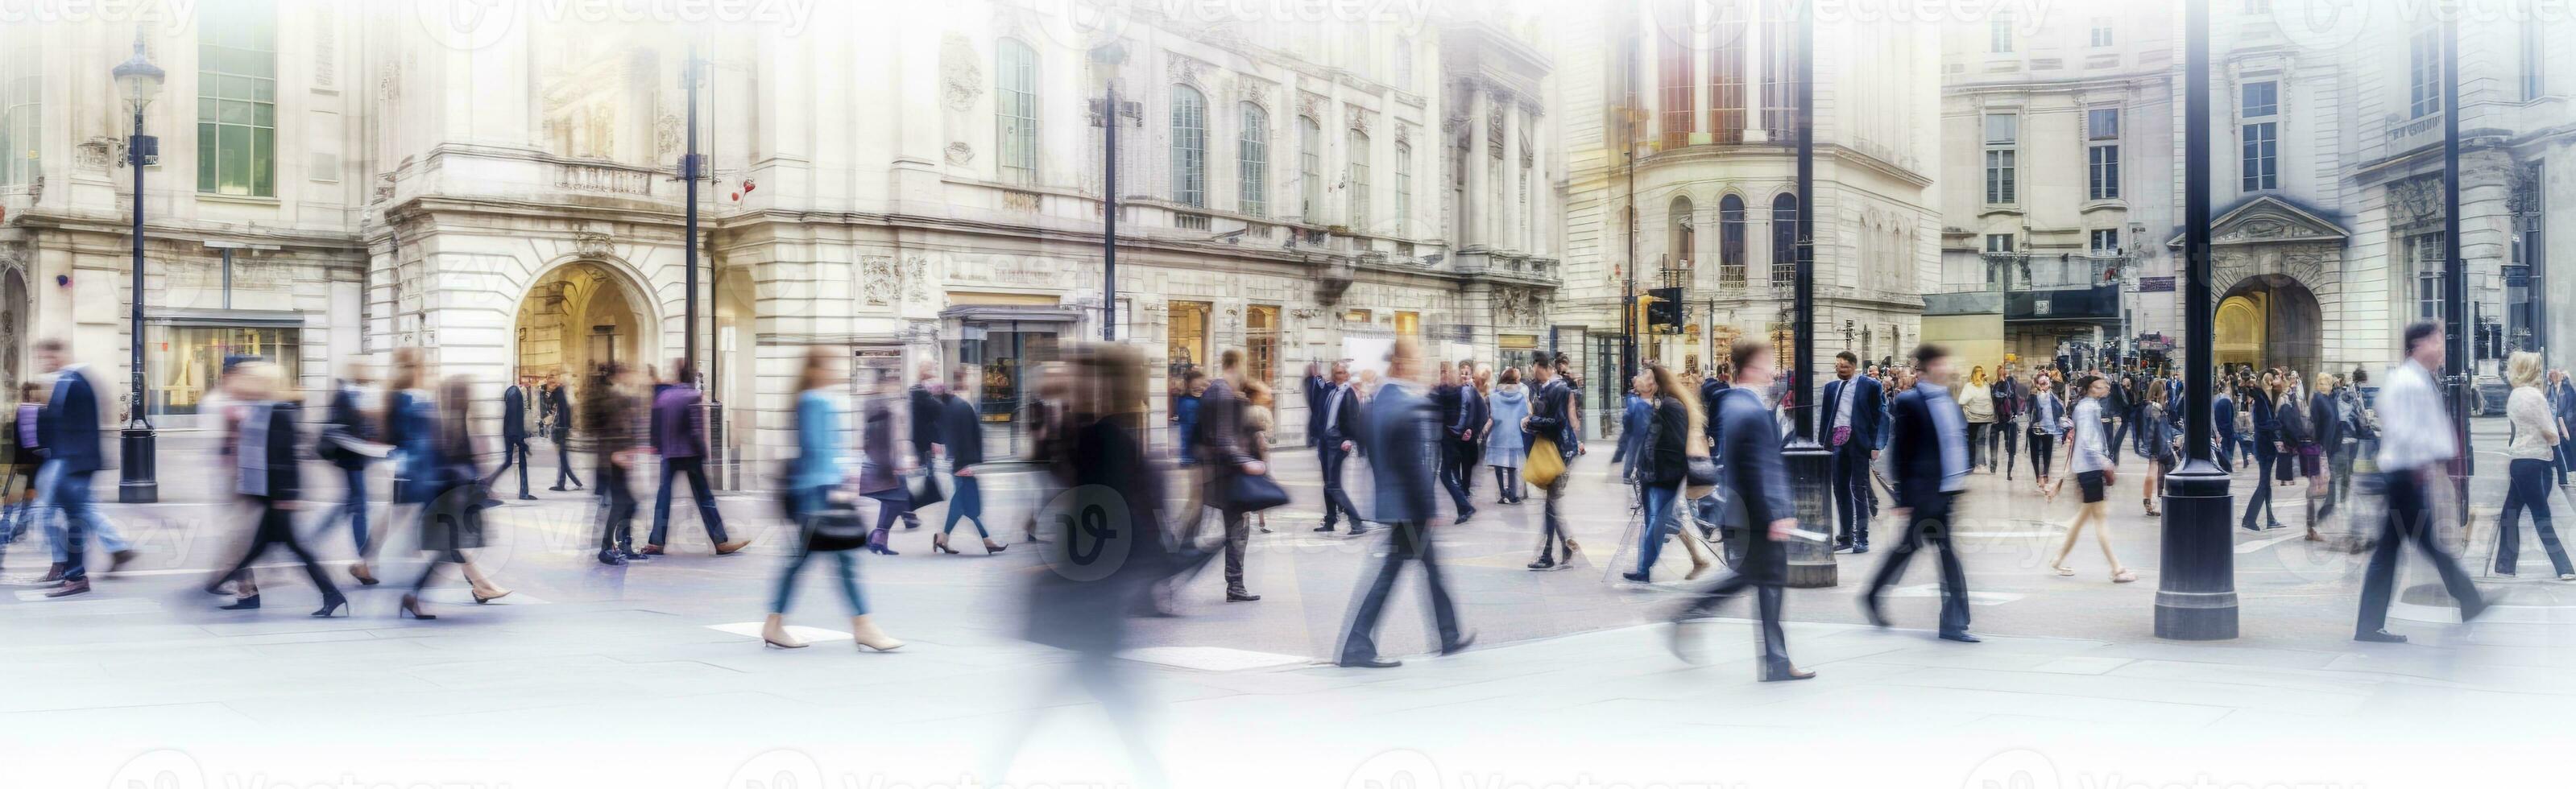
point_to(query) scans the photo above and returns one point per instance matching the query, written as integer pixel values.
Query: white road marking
(2270, 541)
(1974, 597)
(1213, 658)
(808, 635)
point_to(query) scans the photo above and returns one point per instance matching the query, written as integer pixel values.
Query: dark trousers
(1978, 453)
(1408, 542)
(1767, 600)
(2530, 491)
(563, 462)
(1507, 483)
(1552, 534)
(1457, 472)
(1930, 525)
(1851, 495)
(277, 527)
(2264, 457)
(696, 471)
(2043, 453)
(1659, 509)
(2007, 436)
(514, 452)
(2117, 429)
(1336, 500)
(2339, 472)
(2409, 518)
(966, 501)
(355, 508)
(2566, 459)
(617, 519)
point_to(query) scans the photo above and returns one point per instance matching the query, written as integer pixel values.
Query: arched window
(1682, 247)
(1357, 181)
(1403, 188)
(1784, 240)
(1310, 169)
(1189, 146)
(1015, 109)
(1730, 241)
(1252, 162)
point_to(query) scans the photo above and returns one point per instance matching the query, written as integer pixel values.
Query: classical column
(1471, 216)
(1539, 140)
(1508, 231)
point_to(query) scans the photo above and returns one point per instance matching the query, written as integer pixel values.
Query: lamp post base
(2196, 593)
(1811, 563)
(139, 481)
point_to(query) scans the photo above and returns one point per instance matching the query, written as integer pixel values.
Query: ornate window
(1726, 69)
(21, 91)
(1357, 181)
(237, 99)
(1730, 241)
(1015, 109)
(1784, 240)
(1189, 146)
(1310, 169)
(2102, 153)
(1403, 188)
(1682, 243)
(2003, 138)
(1252, 162)
(1780, 87)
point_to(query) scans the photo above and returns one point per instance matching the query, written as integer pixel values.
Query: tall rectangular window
(2424, 73)
(21, 87)
(1780, 87)
(2262, 99)
(1999, 34)
(1403, 189)
(2101, 33)
(2424, 254)
(1676, 93)
(1261, 341)
(1189, 146)
(1185, 335)
(2102, 153)
(2535, 47)
(237, 99)
(2003, 135)
(1252, 162)
(1726, 70)
(1357, 181)
(2105, 242)
(1310, 169)
(2262, 165)
(1015, 110)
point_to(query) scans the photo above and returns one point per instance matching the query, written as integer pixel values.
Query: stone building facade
(1704, 94)
(920, 183)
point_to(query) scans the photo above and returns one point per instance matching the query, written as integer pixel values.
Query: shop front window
(185, 360)
(1006, 356)
(1261, 329)
(1185, 343)
(1515, 350)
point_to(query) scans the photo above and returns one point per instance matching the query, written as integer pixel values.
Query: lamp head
(137, 79)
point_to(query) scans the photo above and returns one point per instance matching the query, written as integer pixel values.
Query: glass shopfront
(183, 361)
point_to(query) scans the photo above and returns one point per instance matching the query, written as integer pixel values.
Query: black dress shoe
(1358, 530)
(1637, 577)
(1869, 610)
(1860, 548)
(70, 588)
(1791, 674)
(1962, 637)
(1459, 645)
(1463, 516)
(2380, 637)
(1368, 662)
(1324, 528)
(250, 603)
(557, 489)
(611, 559)
(1543, 563)
(1240, 596)
(526, 497)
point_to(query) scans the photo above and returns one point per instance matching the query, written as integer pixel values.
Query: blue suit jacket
(1916, 438)
(1866, 432)
(1400, 435)
(71, 432)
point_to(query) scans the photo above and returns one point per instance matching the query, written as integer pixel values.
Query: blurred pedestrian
(1260, 423)
(267, 477)
(2298, 448)
(1977, 399)
(921, 412)
(74, 452)
(2012, 418)
(2536, 438)
(2222, 419)
(1316, 388)
(1758, 499)
(2048, 424)
(25, 453)
(680, 437)
(514, 433)
(2326, 434)
(961, 436)
(819, 504)
(1660, 461)
(1224, 454)
(2416, 443)
(1341, 418)
(1930, 437)
(882, 473)
(1552, 424)
(559, 425)
(2263, 401)
(1403, 442)
(1458, 440)
(1505, 445)
(1187, 406)
(1850, 429)
(451, 514)
(2562, 404)
(612, 421)
(350, 427)
(1634, 420)
(2089, 457)
(2157, 442)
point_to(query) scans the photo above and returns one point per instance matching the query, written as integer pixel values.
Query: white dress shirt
(2414, 430)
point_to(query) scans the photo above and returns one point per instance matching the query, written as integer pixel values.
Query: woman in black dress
(266, 477)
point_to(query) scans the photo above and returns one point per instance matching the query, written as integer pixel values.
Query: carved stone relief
(959, 154)
(877, 280)
(1186, 70)
(916, 278)
(2415, 201)
(1360, 117)
(1312, 105)
(592, 245)
(960, 78)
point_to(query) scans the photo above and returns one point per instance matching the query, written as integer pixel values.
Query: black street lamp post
(2196, 592)
(139, 480)
(1811, 563)
(1106, 60)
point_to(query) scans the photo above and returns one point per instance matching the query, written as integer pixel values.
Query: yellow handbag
(1544, 463)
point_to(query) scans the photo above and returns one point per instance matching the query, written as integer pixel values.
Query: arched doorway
(2269, 320)
(581, 316)
(13, 332)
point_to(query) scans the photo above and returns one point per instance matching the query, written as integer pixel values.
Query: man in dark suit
(1449, 398)
(1402, 439)
(558, 400)
(1710, 389)
(1460, 438)
(514, 434)
(680, 437)
(1930, 437)
(73, 453)
(1849, 429)
(1758, 500)
(1222, 457)
(1340, 418)
(922, 405)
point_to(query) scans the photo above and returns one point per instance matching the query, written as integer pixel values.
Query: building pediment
(2269, 219)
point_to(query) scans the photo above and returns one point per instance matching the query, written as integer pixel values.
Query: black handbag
(927, 493)
(1701, 470)
(836, 527)
(1251, 493)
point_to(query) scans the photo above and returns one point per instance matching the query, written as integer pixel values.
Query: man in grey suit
(1401, 442)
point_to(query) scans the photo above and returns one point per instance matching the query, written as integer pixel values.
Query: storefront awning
(265, 319)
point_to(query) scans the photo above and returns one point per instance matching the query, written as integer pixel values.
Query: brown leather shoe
(117, 560)
(725, 548)
(69, 588)
(52, 575)
(652, 550)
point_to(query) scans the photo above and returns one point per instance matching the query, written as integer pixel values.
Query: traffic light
(1663, 309)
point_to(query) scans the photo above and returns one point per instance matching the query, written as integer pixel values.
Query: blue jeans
(696, 471)
(67, 496)
(355, 508)
(1659, 508)
(967, 501)
(809, 500)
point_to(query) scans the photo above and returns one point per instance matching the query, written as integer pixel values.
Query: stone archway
(581, 315)
(2270, 320)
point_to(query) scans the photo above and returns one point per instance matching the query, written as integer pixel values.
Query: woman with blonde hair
(265, 475)
(1977, 400)
(2535, 439)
